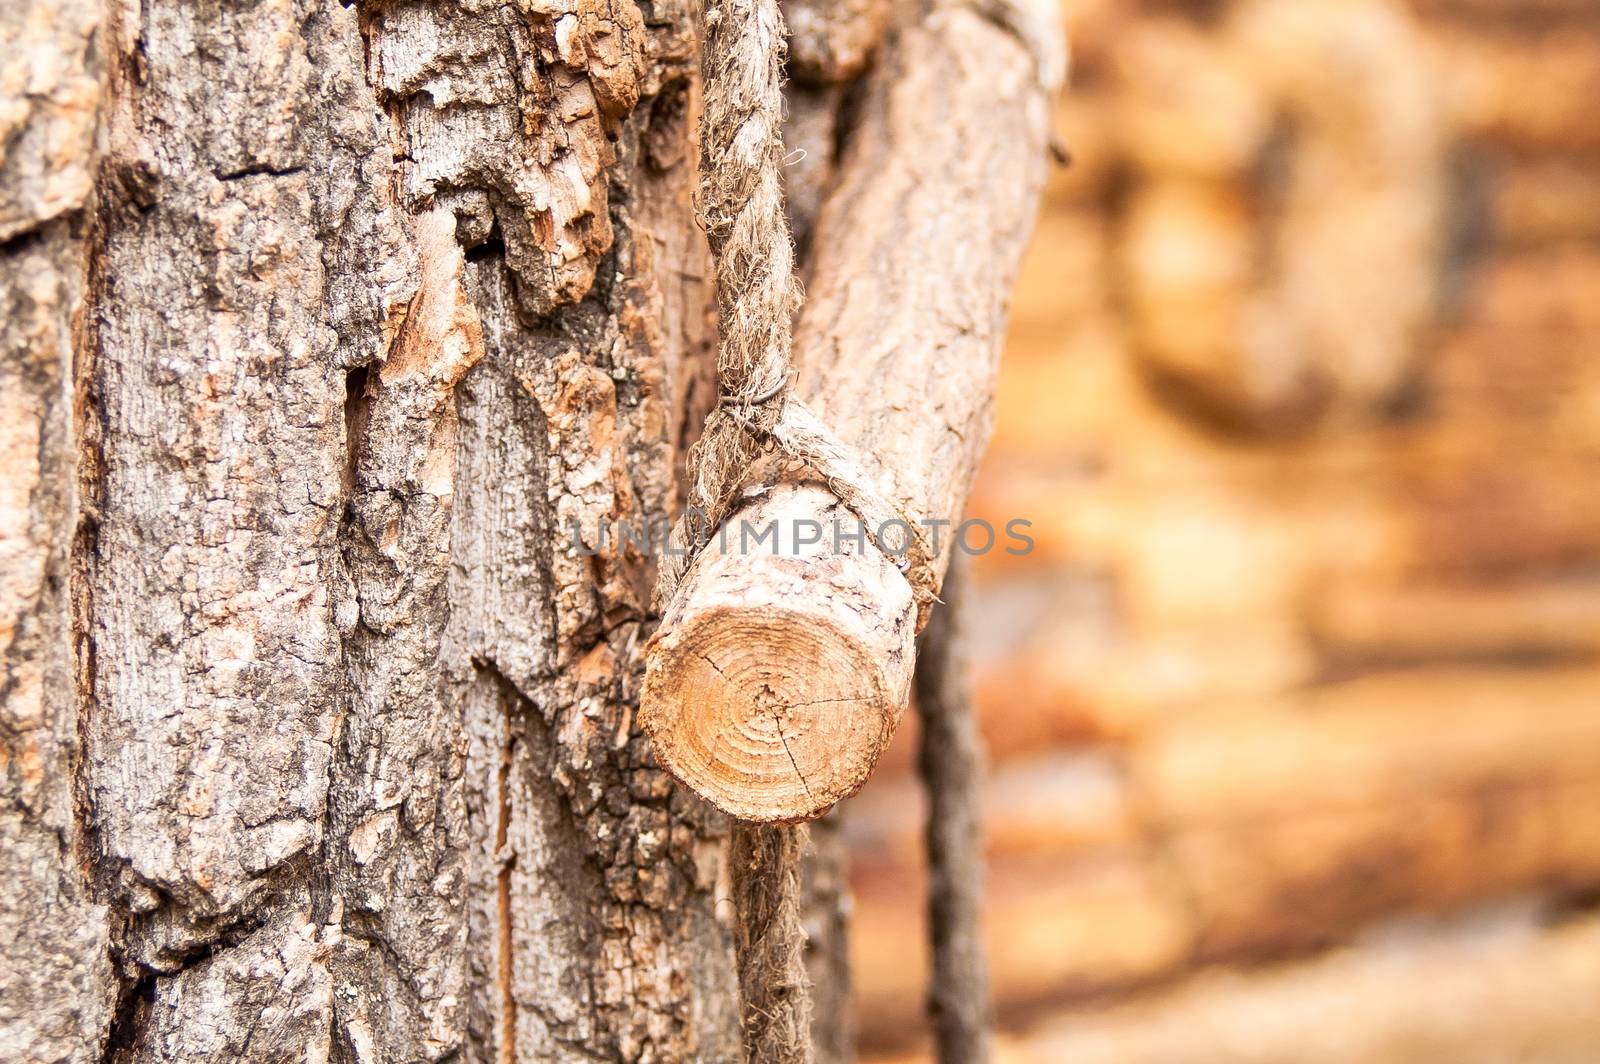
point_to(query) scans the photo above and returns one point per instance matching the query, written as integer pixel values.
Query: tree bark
(319, 737)
(57, 987)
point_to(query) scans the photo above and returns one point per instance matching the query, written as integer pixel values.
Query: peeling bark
(57, 991)
(318, 738)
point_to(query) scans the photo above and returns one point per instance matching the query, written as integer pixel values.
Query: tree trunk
(324, 323)
(330, 330)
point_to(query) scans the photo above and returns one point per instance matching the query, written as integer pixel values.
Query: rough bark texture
(905, 373)
(318, 735)
(57, 992)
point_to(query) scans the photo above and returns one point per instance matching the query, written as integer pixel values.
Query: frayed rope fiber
(774, 989)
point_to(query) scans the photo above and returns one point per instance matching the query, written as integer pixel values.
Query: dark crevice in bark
(28, 237)
(357, 410)
(257, 170)
(851, 102)
(88, 434)
(491, 248)
(508, 1001)
(129, 1020)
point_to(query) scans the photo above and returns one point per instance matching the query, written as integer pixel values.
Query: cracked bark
(326, 321)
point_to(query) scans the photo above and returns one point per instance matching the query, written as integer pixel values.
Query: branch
(950, 761)
(779, 677)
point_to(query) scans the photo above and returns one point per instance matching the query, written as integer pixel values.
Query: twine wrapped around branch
(741, 211)
(775, 683)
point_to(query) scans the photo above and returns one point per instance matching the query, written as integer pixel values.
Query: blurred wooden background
(1294, 711)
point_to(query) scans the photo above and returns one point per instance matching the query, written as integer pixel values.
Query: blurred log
(1291, 823)
(1535, 13)
(1056, 931)
(1367, 622)
(1530, 91)
(1253, 832)
(1482, 993)
(1547, 201)
(1282, 233)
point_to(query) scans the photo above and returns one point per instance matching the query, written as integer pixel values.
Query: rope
(770, 941)
(741, 211)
